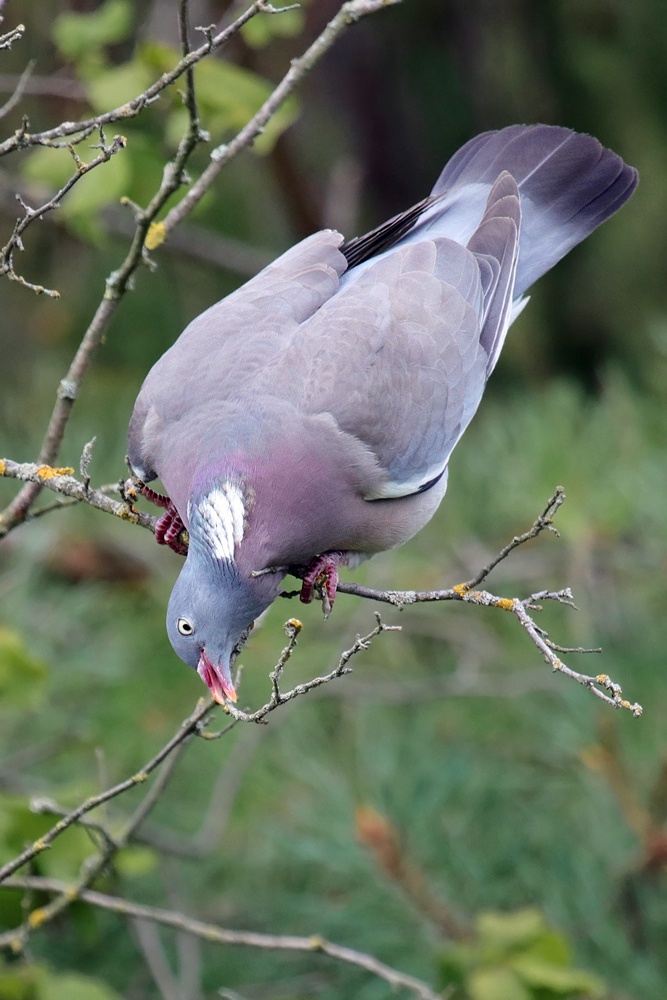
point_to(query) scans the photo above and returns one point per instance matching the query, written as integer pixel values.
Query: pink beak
(216, 679)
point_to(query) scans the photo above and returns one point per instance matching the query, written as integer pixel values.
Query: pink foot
(323, 572)
(168, 528)
(170, 525)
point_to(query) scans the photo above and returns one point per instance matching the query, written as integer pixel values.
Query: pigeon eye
(185, 627)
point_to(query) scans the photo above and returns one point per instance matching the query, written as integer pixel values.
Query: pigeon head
(214, 602)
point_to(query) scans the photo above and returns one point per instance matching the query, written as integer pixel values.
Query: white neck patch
(222, 519)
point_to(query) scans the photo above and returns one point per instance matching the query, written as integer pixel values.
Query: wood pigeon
(306, 420)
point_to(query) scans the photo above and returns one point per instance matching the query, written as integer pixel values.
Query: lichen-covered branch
(63, 482)
(9, 37)
(599, 684)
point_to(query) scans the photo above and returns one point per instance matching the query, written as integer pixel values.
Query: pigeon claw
(216, 679)
(170, 525)
(322, 574)
(168, 529)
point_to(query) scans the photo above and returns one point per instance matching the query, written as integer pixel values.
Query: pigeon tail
(569, 184)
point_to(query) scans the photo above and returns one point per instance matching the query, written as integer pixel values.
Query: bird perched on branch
(306, 421)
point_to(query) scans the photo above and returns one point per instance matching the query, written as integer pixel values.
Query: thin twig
(218, 812)
(148, 938)
(18, 90)
(8, 39)
(543, 523)
(221, 935)
(598, 683)
(150, 800)
(401, 598)
(278, 697)
(60, 88)
(30, 215)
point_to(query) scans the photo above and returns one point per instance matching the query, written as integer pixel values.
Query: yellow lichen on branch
(129, 514)
(37, 918)
(156, 235)
(464, 591)
(48, 472)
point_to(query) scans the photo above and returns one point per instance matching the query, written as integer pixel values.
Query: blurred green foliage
(39, 982)
(515, 956)
(506, 788)
(81, 37)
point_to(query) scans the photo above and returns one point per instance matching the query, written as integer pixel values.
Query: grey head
(214, 602)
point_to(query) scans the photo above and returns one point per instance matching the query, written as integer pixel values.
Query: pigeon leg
(323, 572)
(170, 525)
(168, 528)
(159, 499)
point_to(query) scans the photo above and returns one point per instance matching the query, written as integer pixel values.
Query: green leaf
(499, 983)
(233, 95)
(20, 826)
(72, 986)
(78, 35)
(228, 97)
(509, 931)
(456, 961)
(136, 861)
(21, 675)
(551, 947)
(260, 31)
(80, 207)
(19, 984)
(115, 87)
(540, 974)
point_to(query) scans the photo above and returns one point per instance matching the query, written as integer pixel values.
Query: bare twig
(84, 463)
(220, 935)
(148, 938)
(18, 90)
(543, 523)
(60, 481)
(466, 592)
(278, 697)
(189, 239)
(8, 39)
(60, 88)
(517, 607)
(30, 215)
(221, 801)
